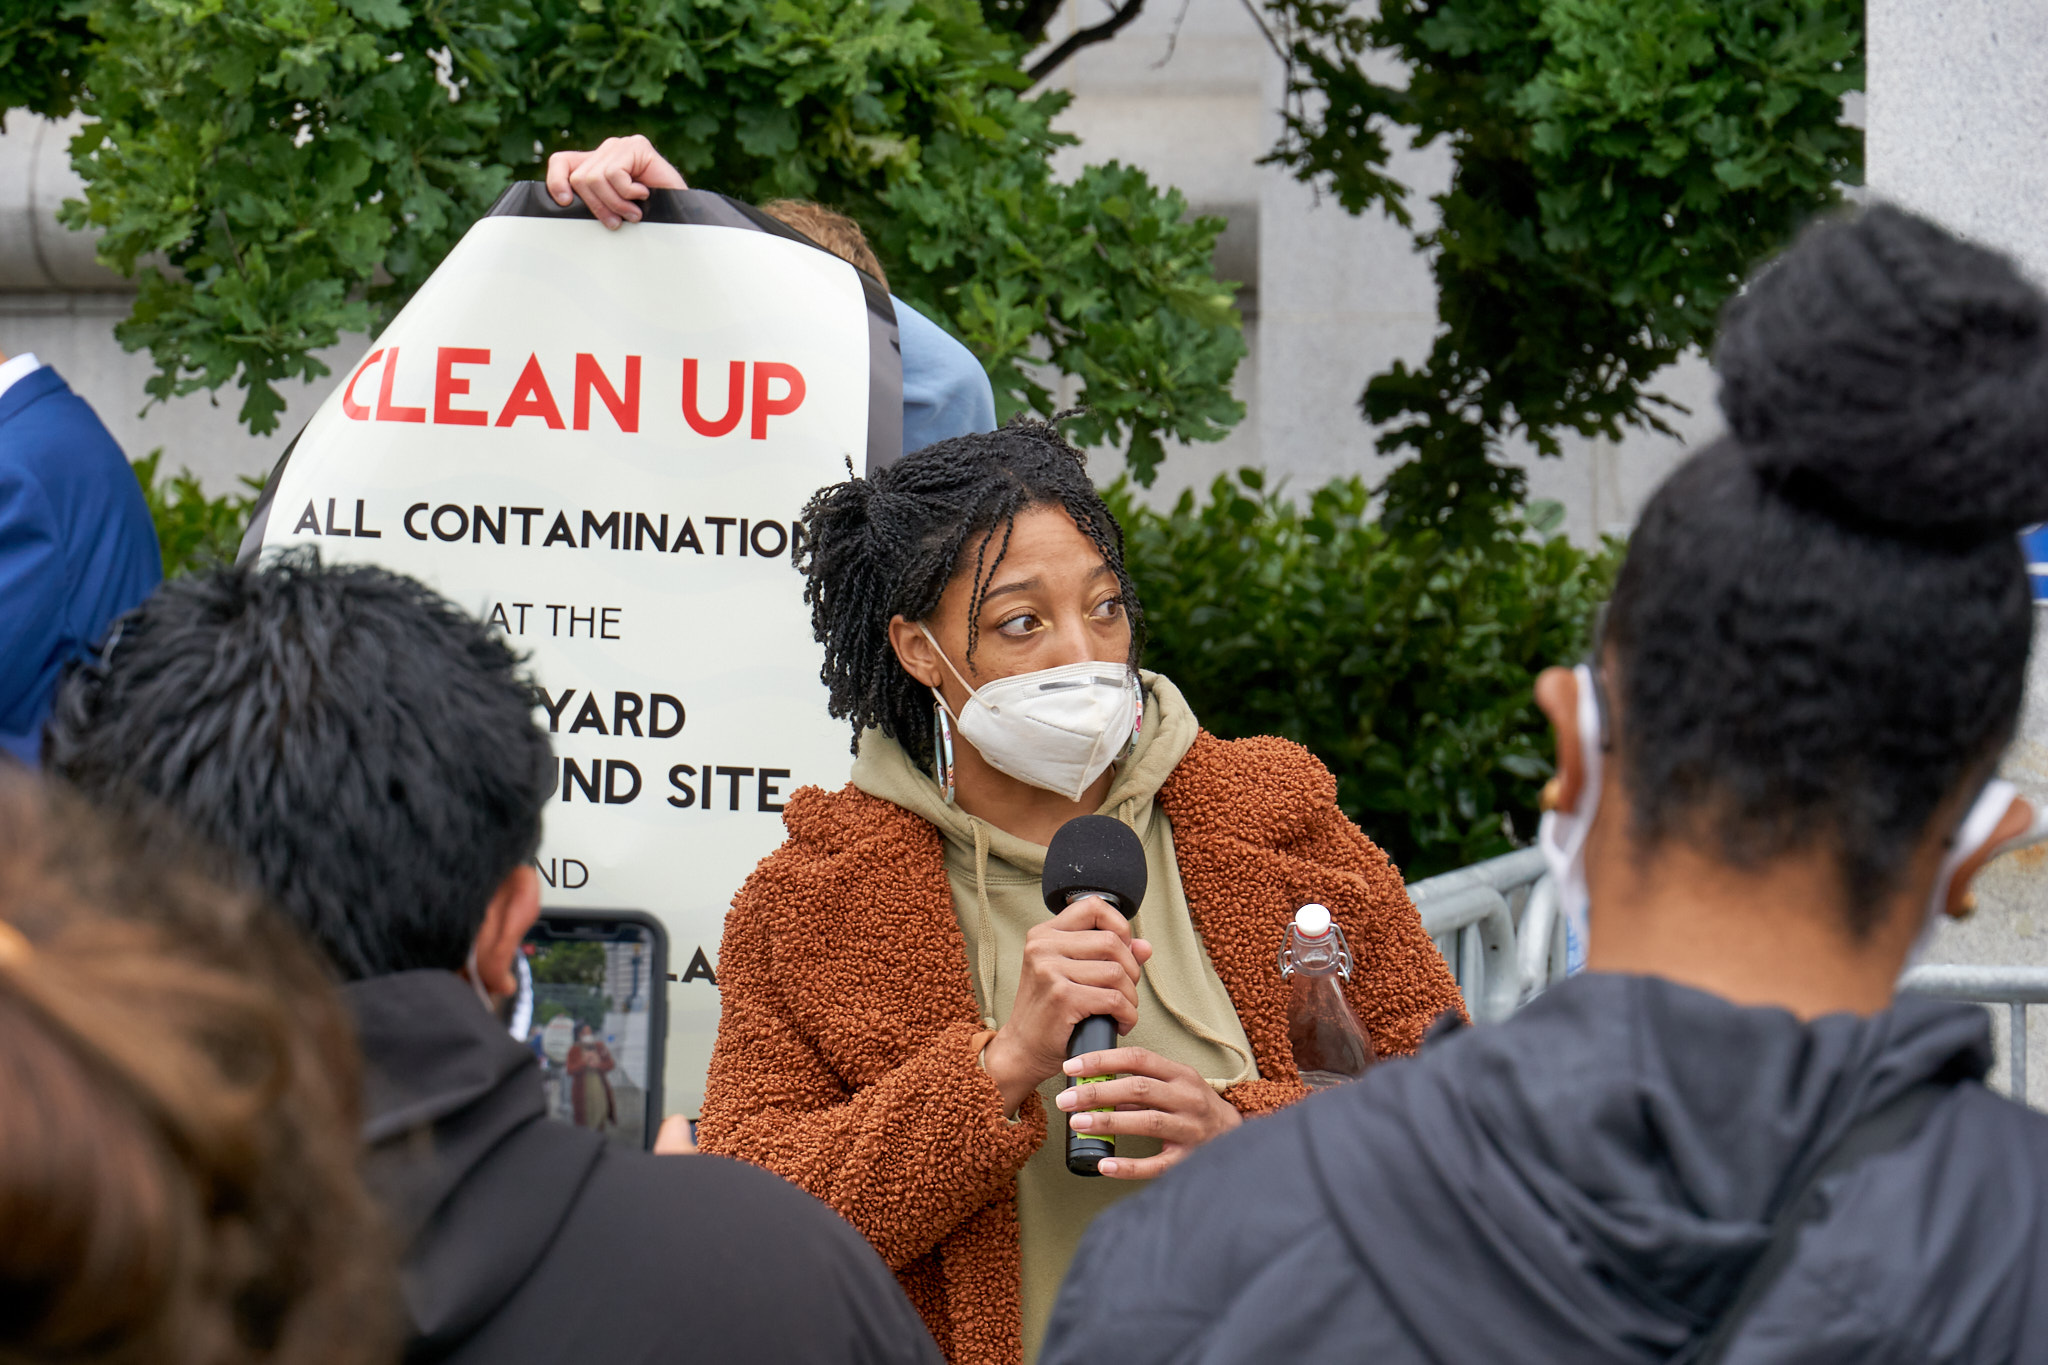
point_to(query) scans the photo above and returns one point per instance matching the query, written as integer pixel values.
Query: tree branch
(1087, 37)
(1032, 16)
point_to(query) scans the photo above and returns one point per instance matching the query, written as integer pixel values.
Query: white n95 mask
(1978, 824)
(1058, 728)
(1562, 833)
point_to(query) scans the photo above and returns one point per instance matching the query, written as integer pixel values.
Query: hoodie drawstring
(985, 936)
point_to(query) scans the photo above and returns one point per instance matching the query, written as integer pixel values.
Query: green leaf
(192, 530)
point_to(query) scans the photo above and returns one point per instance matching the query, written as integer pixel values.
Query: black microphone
(1093, 855)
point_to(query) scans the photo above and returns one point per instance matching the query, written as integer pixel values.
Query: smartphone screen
(592, 1006)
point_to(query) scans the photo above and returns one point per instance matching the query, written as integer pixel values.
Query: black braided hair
(888, 546)
(1821, 630)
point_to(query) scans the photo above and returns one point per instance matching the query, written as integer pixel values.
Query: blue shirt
(946, 393)
(2034, 543)
(76, 546)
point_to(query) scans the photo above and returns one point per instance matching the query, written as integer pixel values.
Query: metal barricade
(1496, 924)
(2013, 987)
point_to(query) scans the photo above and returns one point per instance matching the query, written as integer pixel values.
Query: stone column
(1957, 120)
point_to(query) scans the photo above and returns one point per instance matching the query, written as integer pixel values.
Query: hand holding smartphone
(593, 1006)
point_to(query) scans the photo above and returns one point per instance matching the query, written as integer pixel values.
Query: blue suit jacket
(76, 546)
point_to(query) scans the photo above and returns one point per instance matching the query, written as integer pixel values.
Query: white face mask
(1562, 836)
(1058, 728)
(1975, 831)
(1562, 833)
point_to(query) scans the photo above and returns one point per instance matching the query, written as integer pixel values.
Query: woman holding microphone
(897, 1000)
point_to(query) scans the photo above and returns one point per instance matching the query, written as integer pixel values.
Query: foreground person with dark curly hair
(897, 1001)
(1726, 1141)
(367, 755)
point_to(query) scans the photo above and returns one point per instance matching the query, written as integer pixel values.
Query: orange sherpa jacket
(847, 1050)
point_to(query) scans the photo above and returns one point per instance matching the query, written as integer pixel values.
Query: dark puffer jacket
(528, 1242)
(1590, 1182)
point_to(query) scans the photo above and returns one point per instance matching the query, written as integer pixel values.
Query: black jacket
(1588, 1183)
(527, 1240)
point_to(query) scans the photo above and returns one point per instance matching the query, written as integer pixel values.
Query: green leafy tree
(1619, 166)
(42, 54)
(303, 165)
(1403, 660)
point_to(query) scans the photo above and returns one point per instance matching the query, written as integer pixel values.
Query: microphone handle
(1096, 1033)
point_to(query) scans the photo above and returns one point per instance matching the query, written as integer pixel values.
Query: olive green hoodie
(1184, 1013)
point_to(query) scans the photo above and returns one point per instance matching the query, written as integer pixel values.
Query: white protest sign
(601, 443)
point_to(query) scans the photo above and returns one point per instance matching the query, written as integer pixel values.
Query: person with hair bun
(178, 1178)
(897, 1001)
(1727, 1140)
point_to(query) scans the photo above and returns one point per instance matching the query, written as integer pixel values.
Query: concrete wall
(1958, 130)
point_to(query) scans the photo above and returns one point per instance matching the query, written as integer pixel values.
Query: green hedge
(1404, 662)
(192, 529)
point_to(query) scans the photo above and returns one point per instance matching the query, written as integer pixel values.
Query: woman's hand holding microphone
(1080, 962)
(1084, 961)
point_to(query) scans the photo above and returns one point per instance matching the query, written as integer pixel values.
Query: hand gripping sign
(600, 442)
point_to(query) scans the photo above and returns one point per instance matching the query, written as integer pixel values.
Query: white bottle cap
(1313, 920)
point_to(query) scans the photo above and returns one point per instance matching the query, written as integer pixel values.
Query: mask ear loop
(972, 694)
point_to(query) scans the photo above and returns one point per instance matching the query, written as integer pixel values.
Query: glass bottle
(1330, 1045)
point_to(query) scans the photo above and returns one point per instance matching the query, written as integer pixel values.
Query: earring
(942, 750)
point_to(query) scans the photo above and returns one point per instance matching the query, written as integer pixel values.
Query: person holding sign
(945, 391)
(897, 1002)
